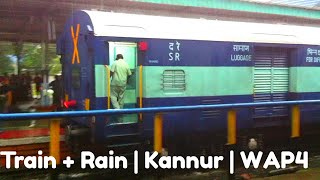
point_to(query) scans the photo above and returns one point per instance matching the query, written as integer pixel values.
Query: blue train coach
(185, 61)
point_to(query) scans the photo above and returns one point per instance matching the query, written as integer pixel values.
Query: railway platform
(27, 137)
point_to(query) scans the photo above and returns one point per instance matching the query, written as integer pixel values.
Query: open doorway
(129, 52)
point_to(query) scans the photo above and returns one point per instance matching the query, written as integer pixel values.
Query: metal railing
(158, 120)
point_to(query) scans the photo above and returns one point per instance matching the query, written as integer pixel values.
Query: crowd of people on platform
(18, 88)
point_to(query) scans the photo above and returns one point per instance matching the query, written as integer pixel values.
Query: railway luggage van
(184, 61)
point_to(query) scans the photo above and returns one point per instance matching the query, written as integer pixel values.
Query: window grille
(174, 81)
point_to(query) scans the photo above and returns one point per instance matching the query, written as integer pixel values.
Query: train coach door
(129, 52)
(271, 80)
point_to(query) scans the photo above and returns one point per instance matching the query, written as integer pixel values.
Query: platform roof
(309, 4)
(27, 20)
(249, 6)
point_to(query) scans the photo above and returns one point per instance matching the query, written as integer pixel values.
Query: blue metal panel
(98, 130)
(308, 56)
(101, 51)
(196, 121)
(197, 53)
(309, 113)
(101, 103)
(206, 53)
(85, 67)
(275, 111)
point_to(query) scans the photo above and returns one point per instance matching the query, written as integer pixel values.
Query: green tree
(32, 58)
(55, 66)
(6, 65)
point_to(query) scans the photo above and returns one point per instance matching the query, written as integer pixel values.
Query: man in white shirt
(120, 72)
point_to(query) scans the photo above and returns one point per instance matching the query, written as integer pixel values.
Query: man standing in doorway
(120, 72)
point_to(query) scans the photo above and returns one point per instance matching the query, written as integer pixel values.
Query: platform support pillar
(295, 129)
(232, 127)
(158, 132)
(55, 139)
(232, 139)
(295, 122)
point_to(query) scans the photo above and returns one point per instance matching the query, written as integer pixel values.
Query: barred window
(174, 81)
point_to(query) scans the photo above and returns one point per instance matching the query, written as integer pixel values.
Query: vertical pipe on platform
(55, 139)
(44, 48)
(232, 126)
(295, 122)
(140, 91)
(108, 87)
(158, 132)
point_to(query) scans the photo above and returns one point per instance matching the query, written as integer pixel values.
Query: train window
(75, 77)
(174, 81)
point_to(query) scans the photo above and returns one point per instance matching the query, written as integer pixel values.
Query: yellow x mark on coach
(75, 44)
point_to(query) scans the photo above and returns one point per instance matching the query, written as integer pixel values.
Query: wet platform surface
(26, 137)
(21, 132)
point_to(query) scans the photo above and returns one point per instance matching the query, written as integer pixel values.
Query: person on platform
(120, 72)
(14, 84)
(5, 96)
(28, 84)
(23, 87)
(38, 81)
(56, 86)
